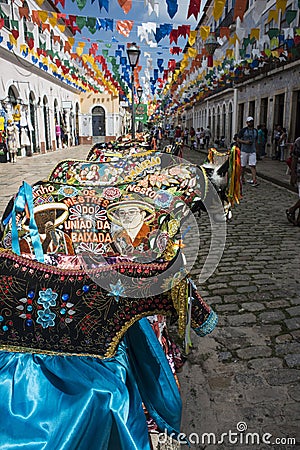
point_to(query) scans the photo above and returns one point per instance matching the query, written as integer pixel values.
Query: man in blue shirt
(247, 140)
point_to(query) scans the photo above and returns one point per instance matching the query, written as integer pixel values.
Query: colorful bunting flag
(172, 7)
(290, 15)
(81, 4)
(204, 32)
(124, 27)
(281, 4)
(254, 33)
(194, 8)
(218, 9)
(103, 4)
(239, 9)
(125, 5)
(273, 15)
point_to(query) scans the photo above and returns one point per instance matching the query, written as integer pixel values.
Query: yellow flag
(71, 40)
(43, 15)
(12, 40)
(23, 48)
(81, 44)
(192, 52)
(233, 39)
(79, 51)
(40, 2)
(254, 33)
(230, 53)
(273, 15)
(61, 28)
(192, 37)
(204, 32)
(52, 21)
(281, 4)
(218, 9)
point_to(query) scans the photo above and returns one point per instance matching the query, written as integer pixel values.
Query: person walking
(295, 181)
(276, 137)
(247, 139)
(207, 136)
(193, 137)
(282, 144)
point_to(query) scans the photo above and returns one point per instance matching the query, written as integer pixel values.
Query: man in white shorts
(247, 140)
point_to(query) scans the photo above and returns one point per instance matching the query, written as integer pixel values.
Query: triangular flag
(125, 5)
(81, 4)
(239, 9)
(43, 15)
(24, 12)
(172, 7)
(281, 4)
(194, 8)
(218, 9)
(192, 52)
(192, 37)
(273, 15)
(124, 27)
(254, 33)
(204, 32)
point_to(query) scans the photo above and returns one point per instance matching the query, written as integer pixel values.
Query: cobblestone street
(244, 377)
(246, 371)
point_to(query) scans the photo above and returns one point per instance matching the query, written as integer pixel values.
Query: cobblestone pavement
(246, 373)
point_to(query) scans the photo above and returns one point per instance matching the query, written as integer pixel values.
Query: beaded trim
(208, 326)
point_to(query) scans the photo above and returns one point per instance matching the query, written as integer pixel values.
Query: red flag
(174, 36)
(194, 8)
(239, 9)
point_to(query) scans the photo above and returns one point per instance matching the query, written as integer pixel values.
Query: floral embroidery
(117, 290)
(47, 298)
(46, 318)
(111, 193)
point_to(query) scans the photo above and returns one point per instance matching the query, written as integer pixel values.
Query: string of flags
(93, 59)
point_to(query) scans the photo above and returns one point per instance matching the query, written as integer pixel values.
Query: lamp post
(139, 92)
(133, 53)
(211, 44)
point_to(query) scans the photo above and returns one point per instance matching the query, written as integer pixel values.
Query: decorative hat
(129, 201)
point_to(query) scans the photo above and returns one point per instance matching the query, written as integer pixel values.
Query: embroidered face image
(131, 220)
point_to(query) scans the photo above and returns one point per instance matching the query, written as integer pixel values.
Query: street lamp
(139, 92)
(133, 53)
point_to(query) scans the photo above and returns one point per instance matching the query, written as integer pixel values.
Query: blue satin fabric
(84, 403)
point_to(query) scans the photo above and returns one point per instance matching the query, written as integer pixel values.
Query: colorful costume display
(78, 357)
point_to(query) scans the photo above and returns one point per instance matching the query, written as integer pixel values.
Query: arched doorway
(98, 121)
(33, 119)
(46, 123)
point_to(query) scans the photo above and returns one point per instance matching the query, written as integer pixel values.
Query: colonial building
(46, 88)
(255, 70)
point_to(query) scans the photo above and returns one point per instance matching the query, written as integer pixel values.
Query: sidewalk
(271, 170)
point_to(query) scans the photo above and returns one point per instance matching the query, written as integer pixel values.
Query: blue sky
(138, 14)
